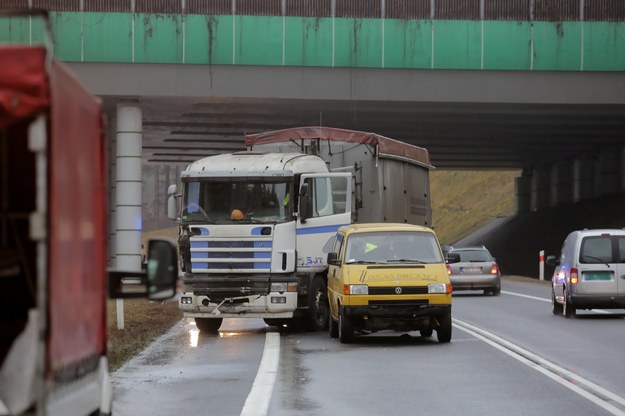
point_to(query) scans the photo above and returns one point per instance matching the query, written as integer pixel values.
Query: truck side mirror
(303, 203)
(172, 210)
(453, 258)
(552, 261)
(156, 282)
(333, 259)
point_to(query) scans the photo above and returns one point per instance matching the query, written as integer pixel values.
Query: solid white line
(602, 311)
(257, 402)
(572, 381)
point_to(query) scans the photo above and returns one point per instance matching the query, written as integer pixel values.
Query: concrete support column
(539, 191)
(583, 179)
(128, 183)
(607, 180)
(561, 183)
(522, 186)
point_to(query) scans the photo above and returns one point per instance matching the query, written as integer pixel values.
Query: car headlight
(437, 288)
(358, 289)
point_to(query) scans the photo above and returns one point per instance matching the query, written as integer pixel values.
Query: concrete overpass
(534, 85)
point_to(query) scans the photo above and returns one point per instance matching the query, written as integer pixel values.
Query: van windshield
(393, 247)
(245, 200)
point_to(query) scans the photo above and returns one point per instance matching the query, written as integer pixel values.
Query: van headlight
(358, 289)
(437, 288)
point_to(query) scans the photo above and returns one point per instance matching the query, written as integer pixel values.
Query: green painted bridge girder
(327, 42)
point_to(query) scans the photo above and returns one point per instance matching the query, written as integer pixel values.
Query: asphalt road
(508, 356)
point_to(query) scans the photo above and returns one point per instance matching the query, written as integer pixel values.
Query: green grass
(464, 201)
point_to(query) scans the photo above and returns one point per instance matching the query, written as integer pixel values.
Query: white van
(590, 272)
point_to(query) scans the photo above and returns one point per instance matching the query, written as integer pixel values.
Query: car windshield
(393, 247)
(473, 256)
(249, 200)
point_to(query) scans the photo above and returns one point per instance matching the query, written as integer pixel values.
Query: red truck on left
(53, 242)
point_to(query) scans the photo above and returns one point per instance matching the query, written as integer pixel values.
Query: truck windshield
(393, 247)
(246, 200)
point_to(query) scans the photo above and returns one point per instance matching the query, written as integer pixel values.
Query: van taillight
(494, 269)
(574, 279)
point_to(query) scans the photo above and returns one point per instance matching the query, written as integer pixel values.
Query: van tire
(208, 325)
(345, 329)
(318, 307)
(443, 332)
(556, 308)
(568, 309)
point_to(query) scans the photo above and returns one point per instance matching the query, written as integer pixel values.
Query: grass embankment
(144, 321)
(461, 203)
(464, 201)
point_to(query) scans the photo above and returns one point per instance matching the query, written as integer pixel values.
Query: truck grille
(399, 302)
(392, 290)
(219, 255)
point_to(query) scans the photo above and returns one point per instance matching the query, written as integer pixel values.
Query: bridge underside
(466, 119)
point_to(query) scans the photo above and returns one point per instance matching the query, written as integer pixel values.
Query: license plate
(471, 269)
(597, 276)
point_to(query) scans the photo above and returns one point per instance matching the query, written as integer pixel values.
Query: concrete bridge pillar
(583, 179)
(540, 188)
(561, 183)
(522, 186)
(607, 178)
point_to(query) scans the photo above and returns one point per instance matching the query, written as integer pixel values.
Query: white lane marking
(549, 300)
(583, 387)
(257, 402)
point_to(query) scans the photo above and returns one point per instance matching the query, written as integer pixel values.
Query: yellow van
(388, 276)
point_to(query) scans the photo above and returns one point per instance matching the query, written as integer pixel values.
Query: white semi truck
(255, 225)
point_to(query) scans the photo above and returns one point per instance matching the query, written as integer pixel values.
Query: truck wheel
(556, 308)
(334, 328)
(443, 332)
(344, 327)
(568, 309)
(208, 325)
(318, 308)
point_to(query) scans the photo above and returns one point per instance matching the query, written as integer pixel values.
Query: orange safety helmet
(237, 214)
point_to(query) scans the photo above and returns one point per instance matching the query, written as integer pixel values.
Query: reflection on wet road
(190, 372)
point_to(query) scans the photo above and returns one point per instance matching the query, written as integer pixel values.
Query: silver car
(473, 268)
(590, 272)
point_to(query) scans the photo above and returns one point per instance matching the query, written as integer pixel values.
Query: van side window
(620, 244)
(596, 250)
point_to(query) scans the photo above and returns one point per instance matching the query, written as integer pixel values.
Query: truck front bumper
(272, 305)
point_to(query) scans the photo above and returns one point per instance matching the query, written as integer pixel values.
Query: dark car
(473, 268)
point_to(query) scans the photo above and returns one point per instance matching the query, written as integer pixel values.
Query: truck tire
(318, 307)
(443, 332)
(346, 331)
(208, 325)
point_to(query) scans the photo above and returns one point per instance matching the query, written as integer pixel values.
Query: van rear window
(597, 249)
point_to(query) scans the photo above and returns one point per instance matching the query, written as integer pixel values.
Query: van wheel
(334, 328)
(556, 308)
(569, 310)
(208, 325)
(318, 308)
(443, 332)
(346, 331)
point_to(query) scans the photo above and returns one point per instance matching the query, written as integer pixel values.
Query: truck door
(328, 207)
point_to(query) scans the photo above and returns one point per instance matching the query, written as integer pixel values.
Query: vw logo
(398, 290)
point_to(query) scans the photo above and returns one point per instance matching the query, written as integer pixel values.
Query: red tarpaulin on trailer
(384, 145)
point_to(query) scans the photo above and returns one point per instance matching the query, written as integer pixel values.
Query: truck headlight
(437, 288)
(279, 287)
(358, 289)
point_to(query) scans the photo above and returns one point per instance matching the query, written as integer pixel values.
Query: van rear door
(598, 271)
